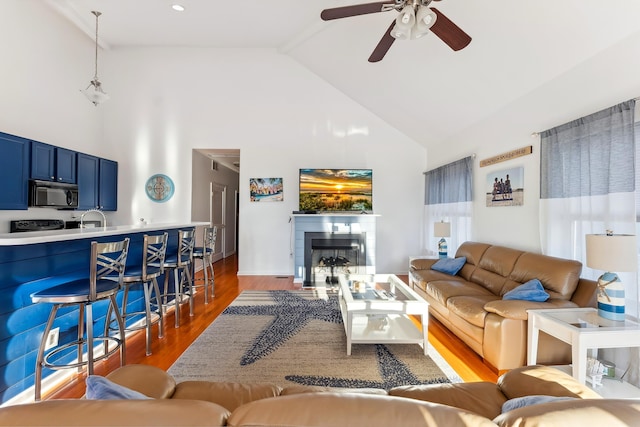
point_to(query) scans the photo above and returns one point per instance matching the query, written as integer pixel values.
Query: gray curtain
(590, 156)
(451, 183)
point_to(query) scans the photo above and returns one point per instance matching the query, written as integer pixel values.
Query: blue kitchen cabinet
(66, 165)
(14, 172)
(50, 163)
(97, 183)
(108, 188)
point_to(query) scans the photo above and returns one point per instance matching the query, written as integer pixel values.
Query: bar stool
(177, 261)
(154, 249)
(204, 253)
(106, 259)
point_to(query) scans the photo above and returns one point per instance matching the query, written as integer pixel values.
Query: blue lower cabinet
(28, 268)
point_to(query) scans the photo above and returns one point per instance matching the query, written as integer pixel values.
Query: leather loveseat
(470, 303)
(201, 403)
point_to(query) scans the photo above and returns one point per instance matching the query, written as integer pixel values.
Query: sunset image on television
(336, 190)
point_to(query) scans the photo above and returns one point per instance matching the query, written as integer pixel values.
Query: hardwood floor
(228, 286)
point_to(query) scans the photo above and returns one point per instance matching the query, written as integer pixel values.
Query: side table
(581, 328)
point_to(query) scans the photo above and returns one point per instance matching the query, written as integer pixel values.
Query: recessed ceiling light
(178, 7)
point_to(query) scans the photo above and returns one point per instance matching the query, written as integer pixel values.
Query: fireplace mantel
(334, 224)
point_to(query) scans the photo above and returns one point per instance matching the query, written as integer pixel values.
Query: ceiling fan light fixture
(94, 92)
(404, 23)
(425, 18)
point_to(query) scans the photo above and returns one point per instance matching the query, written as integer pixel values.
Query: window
(448, 197)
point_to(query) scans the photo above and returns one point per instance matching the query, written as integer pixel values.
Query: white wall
(604, 80)
(45, 63)
(165, 102)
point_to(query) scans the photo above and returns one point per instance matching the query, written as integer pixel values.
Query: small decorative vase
(611, 297)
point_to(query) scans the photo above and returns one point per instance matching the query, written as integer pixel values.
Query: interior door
(218, 210)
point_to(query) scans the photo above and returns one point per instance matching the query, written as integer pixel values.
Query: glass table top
(586, 318)
(375, 287)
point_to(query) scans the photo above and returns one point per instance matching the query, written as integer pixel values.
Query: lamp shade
(94, 93)
(442, 229)
(425, 18)
(404, 23)
(615, 252)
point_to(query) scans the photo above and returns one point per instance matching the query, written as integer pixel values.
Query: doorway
(217, 217)
(215, 184)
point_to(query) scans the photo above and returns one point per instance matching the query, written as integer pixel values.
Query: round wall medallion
(159, 188)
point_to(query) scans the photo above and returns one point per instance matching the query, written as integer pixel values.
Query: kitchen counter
(36, 260)
(33, 237)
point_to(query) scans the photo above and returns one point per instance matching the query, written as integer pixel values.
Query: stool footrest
(143, 321)
(75, 344)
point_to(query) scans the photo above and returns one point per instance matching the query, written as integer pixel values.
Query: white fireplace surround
(334, 224)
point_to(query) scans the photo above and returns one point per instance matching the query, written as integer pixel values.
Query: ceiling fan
(415, 19)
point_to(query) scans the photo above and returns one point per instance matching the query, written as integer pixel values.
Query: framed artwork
(159, 188)
(505, 187)
(266, 189)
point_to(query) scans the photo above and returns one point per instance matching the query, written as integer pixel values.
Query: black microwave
(53, 194)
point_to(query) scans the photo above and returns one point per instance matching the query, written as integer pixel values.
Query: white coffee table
(375, 310)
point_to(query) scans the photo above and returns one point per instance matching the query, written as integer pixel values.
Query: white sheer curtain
(448, 198)
(587, 182)
(587, 186)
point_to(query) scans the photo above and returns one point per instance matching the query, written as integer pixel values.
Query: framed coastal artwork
(266, 189)
(505, 187)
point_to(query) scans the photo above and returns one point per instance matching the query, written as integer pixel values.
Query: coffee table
(375, 310)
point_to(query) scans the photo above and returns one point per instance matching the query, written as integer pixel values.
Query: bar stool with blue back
(204, 253)
(176, 261)
(106, 259)
(153, 254)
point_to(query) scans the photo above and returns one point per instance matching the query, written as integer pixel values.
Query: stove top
(23, 225)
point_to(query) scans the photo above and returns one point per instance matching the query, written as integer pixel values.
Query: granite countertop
(33, 237)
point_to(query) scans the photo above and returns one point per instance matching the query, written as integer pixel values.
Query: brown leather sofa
(201, 403)
(470, 303)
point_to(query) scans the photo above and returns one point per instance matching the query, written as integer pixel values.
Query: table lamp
(611, 252)
(442, 229)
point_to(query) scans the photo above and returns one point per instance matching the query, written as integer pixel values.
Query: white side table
(581, 328)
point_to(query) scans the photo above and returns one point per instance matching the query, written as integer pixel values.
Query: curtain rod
(535, 134)
(473, 156)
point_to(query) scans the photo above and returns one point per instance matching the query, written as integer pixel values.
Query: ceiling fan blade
(383, 45)
(354, 10)
(449, 32)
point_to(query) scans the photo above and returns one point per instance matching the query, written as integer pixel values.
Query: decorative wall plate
(159, 188)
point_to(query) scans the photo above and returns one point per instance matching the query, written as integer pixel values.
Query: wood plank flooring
(228, 286)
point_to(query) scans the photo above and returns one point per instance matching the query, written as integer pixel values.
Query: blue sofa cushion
(529, 291)
(521, 402)
(449, 265)
(100, 388)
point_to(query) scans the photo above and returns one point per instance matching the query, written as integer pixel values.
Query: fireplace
(342, 233)
(328, 254)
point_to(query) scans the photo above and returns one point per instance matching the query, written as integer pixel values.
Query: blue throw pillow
(521, 402)
(449, 265)
(100, 388)
(530, 291)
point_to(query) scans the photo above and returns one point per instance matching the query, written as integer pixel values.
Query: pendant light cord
(97, 14)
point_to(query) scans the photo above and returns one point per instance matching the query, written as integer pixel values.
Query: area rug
(297, 337)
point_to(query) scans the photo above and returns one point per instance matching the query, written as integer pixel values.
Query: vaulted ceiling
(422, 87)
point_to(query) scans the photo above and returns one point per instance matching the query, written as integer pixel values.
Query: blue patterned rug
(297, 337)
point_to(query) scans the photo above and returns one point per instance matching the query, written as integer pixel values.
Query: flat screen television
(336, 190)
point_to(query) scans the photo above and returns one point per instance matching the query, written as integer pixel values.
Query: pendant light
(94, 91)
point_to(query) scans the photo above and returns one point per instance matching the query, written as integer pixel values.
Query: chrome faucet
(98, 211)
